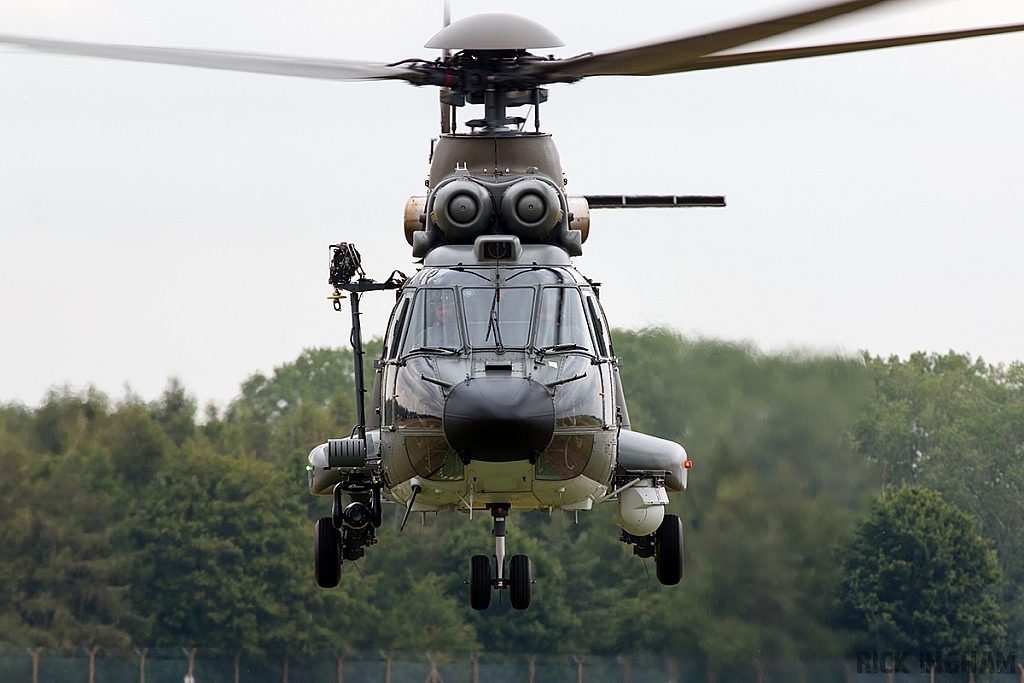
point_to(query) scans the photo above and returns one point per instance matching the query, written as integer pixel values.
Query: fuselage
(498, 383)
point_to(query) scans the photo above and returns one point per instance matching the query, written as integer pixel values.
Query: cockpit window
(562, 322)
(497, 318)
(395, 335)
(604, 343)
(434, 322)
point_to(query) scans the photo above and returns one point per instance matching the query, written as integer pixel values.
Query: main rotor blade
(305, 67)
(672, 56)
(740, 58)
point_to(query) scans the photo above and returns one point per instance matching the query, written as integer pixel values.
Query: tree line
(833, 505)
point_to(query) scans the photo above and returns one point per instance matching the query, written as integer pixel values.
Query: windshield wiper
(433, 349)
(492, 322)
(568, 346)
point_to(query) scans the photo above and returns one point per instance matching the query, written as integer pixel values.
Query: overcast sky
(160, 220)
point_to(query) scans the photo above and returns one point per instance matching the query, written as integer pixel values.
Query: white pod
(641, 509)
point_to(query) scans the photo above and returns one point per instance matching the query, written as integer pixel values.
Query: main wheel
(520, 586)
(326, 554)
(668, 550)
(480, 582)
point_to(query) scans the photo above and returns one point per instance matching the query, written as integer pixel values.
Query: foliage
(66, 563)
(918, 577)
(138, 524)
(225, 566)
(956, 425)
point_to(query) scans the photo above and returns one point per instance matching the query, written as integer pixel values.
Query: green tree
(956, 425)
(69, 565)
(175, 411)
(918, 577)
(312, 396)
(228, 549)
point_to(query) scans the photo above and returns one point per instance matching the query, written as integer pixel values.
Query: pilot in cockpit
(561, 320)
(437, 320)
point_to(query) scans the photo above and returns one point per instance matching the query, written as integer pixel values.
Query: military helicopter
(498, 387)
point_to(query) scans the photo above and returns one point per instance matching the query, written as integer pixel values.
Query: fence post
(673, 671)
(238, 658)
(476, 667)
(284, 675)
(92, 663)
(579, 669)
(35, 664)
(759, 667)
(533, 667)
(192, 665)
(387, 667)
(142, 665)
(341, 663)
(627, 669)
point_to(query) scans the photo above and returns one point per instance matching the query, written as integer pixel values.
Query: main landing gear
(519, 580)
(665, 545)
(345, 534)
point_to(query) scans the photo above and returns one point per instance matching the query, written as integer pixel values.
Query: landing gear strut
(520, 575)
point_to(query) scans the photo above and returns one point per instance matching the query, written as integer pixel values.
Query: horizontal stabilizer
(648, 201)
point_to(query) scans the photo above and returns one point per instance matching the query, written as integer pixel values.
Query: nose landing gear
(520, 575)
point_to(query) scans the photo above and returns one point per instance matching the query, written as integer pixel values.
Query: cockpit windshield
(562, 324)
(434, 322)
(438, 319)
(496, 318)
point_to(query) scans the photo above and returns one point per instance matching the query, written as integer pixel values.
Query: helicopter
(498, 388)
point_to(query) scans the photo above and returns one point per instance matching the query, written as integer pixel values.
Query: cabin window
(565, 457)
(498, 318)
(561, 322)
(579, 402)
(434, 322)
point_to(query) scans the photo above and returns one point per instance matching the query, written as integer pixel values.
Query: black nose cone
(499, 419)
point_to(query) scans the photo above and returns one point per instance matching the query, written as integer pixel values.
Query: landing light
(687, 464)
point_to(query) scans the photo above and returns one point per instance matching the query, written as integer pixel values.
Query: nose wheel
(519, 580)
(480, 582)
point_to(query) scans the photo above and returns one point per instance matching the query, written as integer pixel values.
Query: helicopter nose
(499, 419)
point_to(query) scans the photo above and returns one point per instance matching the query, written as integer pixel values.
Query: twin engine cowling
(464, 207)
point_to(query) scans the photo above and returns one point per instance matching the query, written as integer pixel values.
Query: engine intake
(530, 208)
(462, 209)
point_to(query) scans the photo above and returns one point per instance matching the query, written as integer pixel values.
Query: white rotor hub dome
(494, 31)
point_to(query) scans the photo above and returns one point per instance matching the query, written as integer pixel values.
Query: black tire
(520, 582)
(480, 582)
(668, 550)
(326, 554)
